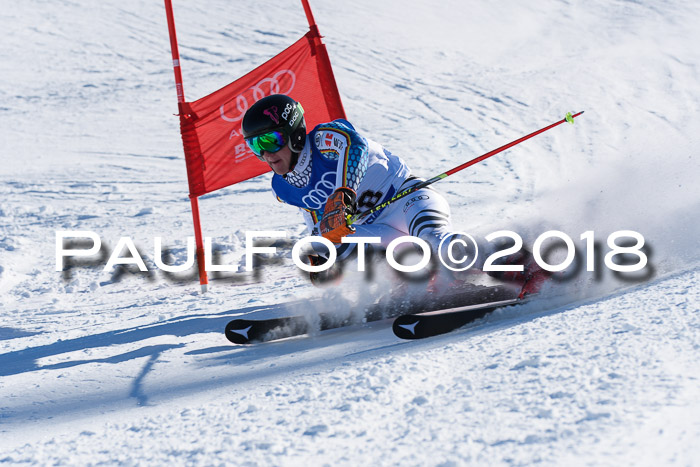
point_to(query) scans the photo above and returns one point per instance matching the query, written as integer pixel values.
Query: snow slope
(98, 366)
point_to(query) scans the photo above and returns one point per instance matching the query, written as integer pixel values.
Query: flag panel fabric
(215, 151)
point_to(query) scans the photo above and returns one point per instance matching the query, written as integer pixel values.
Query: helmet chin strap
(296, 145)
(292, 162)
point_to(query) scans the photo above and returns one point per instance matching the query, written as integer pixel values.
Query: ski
(248, 331)
(434, 323)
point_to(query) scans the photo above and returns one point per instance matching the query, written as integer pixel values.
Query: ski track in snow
(129, 367)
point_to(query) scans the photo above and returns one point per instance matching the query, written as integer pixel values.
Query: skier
(334, 171)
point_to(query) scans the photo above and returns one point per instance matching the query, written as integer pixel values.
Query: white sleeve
(308, 220)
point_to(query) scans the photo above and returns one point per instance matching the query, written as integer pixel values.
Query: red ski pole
(352, 219)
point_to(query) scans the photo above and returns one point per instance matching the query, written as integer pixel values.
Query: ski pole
(352, 219)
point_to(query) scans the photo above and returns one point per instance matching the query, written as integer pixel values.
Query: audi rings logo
(318, 196)
(410, 202)
(281, 82)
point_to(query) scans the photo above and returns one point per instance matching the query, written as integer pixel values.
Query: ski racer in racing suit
(334, 171)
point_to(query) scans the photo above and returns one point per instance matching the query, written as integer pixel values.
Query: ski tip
(237, 331)
(404, 327)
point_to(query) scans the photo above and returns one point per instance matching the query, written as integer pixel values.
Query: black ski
(247, 331)
(433, 323)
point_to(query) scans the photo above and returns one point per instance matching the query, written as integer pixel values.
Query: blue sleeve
(339, 141)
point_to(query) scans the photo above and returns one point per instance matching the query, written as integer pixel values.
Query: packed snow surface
(126, 367)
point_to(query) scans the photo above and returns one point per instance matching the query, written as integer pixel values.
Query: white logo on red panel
(281, 82)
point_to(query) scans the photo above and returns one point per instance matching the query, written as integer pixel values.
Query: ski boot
(531, 279)
(323, 278)
(535, 278)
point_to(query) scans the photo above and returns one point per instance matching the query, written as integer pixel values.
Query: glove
(334, 223)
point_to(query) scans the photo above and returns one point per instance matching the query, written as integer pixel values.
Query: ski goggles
(272, 141)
